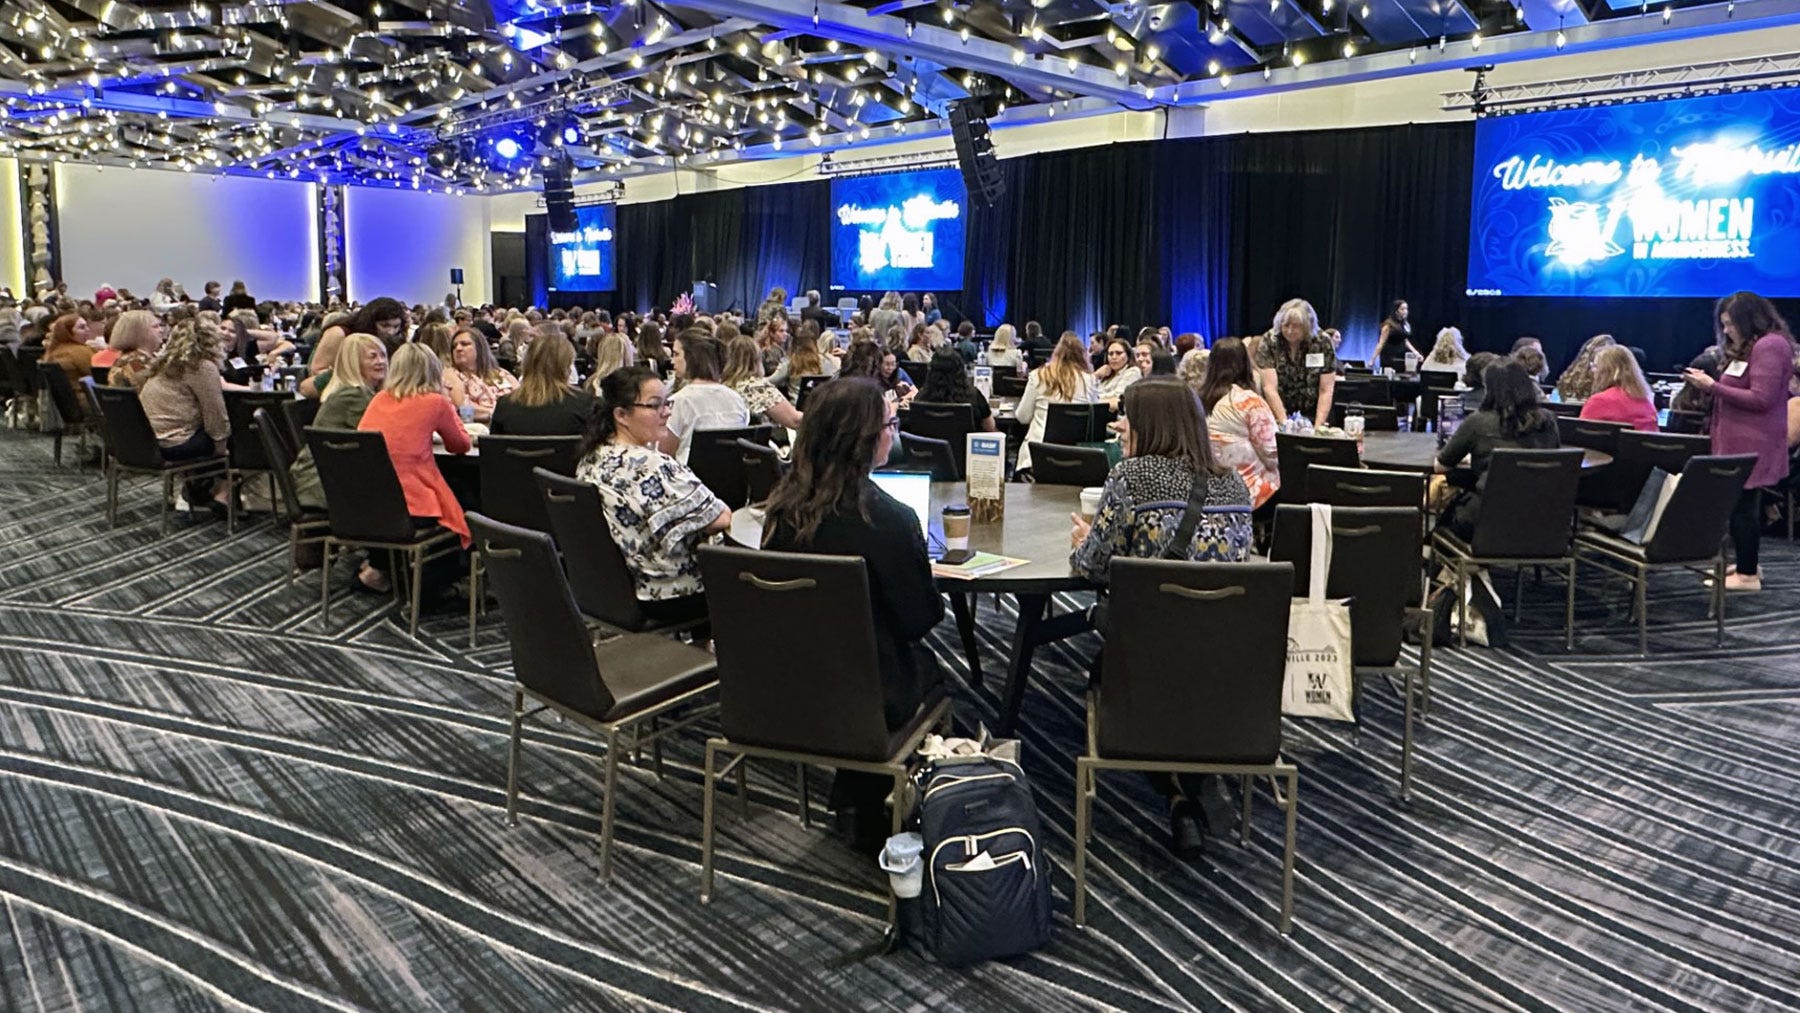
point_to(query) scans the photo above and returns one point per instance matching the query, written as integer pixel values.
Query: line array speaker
(975, 153)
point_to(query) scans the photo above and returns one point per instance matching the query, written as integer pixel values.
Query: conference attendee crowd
(1196, 421)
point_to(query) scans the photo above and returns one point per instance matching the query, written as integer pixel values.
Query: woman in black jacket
(826, 503)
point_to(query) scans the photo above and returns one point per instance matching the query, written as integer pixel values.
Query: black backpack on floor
(986, 890)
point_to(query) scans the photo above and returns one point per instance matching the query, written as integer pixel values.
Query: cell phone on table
(956, 557)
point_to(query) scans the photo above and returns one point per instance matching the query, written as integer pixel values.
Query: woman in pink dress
(1750, 414)
(1239, 421)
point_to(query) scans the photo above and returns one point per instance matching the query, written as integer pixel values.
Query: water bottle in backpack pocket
(987, 887)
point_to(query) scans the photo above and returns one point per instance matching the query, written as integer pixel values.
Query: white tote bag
(1320, 678)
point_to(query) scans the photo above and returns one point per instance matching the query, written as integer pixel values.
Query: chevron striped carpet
(210, 799)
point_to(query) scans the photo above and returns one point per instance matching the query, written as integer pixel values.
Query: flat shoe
(1185, 838)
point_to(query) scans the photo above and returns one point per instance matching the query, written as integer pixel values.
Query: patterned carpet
(210, 800)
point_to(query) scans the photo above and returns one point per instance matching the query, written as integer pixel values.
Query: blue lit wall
(403, 243)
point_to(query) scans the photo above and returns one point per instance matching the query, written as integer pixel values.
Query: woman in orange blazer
(410, 409)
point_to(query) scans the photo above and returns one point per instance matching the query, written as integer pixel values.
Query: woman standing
(1396, 337)
(656, 509)
(1064, 379)
(1239, 420)
(1750, 415)
(1296, 369)
(474, 378)
(1620, 391)
(826, 503)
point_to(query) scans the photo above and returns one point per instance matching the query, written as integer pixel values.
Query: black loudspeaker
(456, 276)
(975, 153)
(559, 195)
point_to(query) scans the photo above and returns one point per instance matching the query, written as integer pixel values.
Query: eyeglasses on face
(892, 424)
(655, 404)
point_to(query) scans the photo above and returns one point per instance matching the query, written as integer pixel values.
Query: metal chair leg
(512, 759)
(801, 790)
(1643, 612)
(418, 568)
(325, 583)
(112, 495)
(1569, 611)
(1083, 814)
(168, 495)
(743, 779)
(1719, 597)
(1406, 742)
(231, 502)
(710, 781)
(1287, 858)
(608, 804)
(1462, 604)
(474, 593)
(1245, 786)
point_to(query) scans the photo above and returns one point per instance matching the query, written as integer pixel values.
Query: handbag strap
(1190, 519)
(1320, 566)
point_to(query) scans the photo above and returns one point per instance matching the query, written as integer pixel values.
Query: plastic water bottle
(268, 379)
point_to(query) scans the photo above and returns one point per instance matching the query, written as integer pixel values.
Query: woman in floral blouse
(474, 378)
(744, 374)
(1239, 421)
(656, 509)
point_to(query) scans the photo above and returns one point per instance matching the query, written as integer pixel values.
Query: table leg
(1031, 615)
(965, 625)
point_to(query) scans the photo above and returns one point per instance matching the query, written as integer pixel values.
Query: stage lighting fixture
(572, 134)
(508, 148)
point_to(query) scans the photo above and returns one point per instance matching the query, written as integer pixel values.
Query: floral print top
(1297, 377)
(657, 511)
(1141, 506)
(1242, 428)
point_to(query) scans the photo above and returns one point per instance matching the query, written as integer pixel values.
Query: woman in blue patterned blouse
(656, 509)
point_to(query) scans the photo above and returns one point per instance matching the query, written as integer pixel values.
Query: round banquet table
(1418, 452)
(1035, 528)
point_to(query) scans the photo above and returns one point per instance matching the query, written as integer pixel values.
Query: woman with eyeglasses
(656, 509)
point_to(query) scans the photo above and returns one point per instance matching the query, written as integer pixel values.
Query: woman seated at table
(744, 374)
(1448, 355)
(651, 351)
(1003, 351)
(136, 338)
(1065, 379)
(1620, 392)
(1239, 421)
(361, 367)
(183, 396)
(1119, 371)
(826, 503)
(1577, 382)
(1474, 379)
(947, 382)
(544, 404)
(474, 378)
(383, 317)
(806, 357)
(410, 409)
(656, 509)
(702, 401)
(252, 340)
(1511, 417)
(66, 345)
(611, 352)
(1168, 459)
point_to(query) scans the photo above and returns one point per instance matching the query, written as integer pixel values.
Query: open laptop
(912, 488)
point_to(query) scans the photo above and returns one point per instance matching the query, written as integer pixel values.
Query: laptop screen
(912, 488)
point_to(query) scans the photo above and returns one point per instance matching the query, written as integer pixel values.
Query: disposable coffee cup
(1353, 424)
(1090, 503)
(901, 860)
(956, 526)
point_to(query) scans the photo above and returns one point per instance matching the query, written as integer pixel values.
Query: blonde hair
(1449, 347)
(1003, 339)
(1063, 374)
(743, 360)
(1615, 366)
(133, 331)
(613, 352)
(413, 371)
(193, 342)
(346, 365)
(544, 375)
(1193, 368)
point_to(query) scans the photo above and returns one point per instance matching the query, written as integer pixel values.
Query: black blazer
(814, 313)
(903, 596)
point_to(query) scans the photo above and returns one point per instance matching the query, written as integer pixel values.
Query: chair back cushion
(1056, 464)
(1365, 390)
(1160, 697)
(763, 467)
(552, 652)
(1295, 453)
(598, 575)
(1590, 433)
(270, 433)
(62, 394)
(1364, 487)
(1528, 504)
(1070, 424)
(940, 421)
(508, 494)
(129, 438)
(240, 410)
(923, 453)
(714, 458)
(363, 498)
(818, 693)
(1374, 563)
(1695, 520)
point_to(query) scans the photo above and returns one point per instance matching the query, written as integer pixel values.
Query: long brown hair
(1167, 421)
(1615, 366)
(544, 375)
(1226, 367)
(1753, 316)
(833, 454)
(1062, 375)
(803, 352)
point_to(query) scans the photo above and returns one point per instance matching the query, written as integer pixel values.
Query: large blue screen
(901, 231)
(1684, 197)
(582, 261)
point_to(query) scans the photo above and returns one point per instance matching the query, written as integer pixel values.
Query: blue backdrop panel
(1685, 197)
(582, 260)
